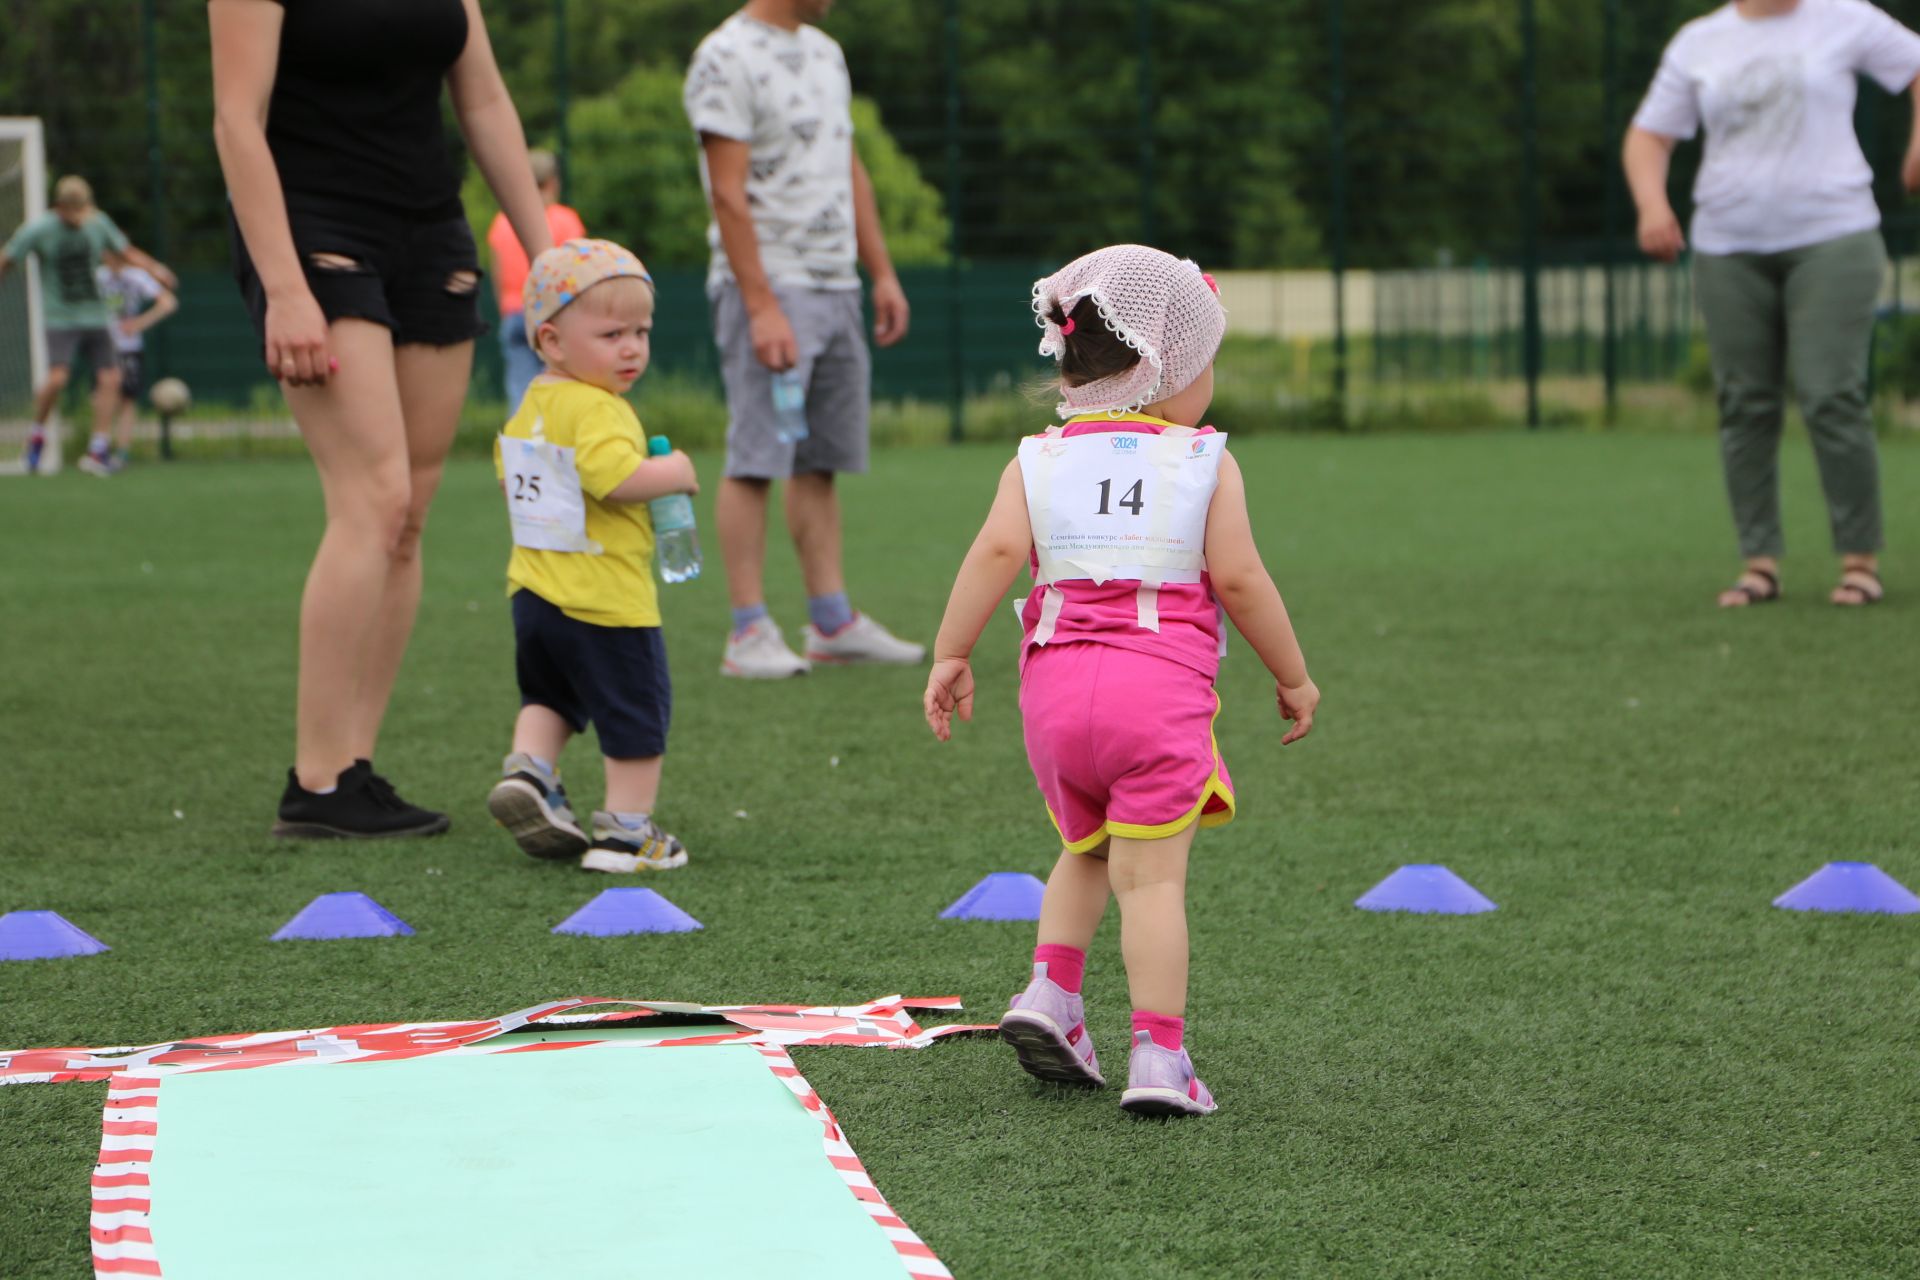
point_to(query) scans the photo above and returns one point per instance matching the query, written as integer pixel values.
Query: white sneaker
(94, 465)
(624, 850)
(862, 640)
(760, 653)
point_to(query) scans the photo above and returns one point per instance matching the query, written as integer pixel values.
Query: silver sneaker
(1161, 1082)
(532, 806)
(760, 653)
(862, 640)
(621, 849)
(1047, 1029)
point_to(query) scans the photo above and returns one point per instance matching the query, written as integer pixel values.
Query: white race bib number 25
(544, 500)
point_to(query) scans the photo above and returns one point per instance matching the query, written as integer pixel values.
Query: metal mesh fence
(1416, 210)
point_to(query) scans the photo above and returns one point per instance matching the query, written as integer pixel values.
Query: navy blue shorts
(614, 678)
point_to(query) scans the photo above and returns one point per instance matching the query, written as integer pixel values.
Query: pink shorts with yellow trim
(1122, 744)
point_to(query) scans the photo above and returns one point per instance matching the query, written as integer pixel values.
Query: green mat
(675, 1162)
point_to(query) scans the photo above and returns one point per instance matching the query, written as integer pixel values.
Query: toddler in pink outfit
(1133, 521)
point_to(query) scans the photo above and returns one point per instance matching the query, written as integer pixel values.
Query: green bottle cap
(659, 447)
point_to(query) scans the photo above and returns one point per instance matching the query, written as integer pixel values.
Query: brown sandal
(1764, 594)
(1865, 586)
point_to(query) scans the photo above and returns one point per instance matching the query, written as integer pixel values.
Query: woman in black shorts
(353, 254)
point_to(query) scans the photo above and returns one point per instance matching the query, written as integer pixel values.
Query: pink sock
(1066, 966)
(1166, 1032)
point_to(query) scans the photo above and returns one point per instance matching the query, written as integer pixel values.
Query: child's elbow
(1007, 553)
(1237, 582)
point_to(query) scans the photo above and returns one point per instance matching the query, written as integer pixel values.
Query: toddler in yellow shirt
(586, 613)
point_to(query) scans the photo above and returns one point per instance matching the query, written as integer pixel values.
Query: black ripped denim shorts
(418, 277)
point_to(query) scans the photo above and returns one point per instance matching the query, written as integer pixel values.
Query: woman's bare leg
(354, 429)
(433, 385)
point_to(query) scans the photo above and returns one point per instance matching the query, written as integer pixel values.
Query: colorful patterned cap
(568, 270)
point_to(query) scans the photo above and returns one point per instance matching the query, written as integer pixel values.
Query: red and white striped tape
(121, 1223)
(882, 1023)
(915, 1254)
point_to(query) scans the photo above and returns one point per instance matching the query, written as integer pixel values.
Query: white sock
(632, 821)
(323, 791)
(99, 445)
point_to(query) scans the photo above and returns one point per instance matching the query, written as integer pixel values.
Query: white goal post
(23, 339)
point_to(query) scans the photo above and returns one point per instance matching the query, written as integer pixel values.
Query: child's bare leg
(633, 785)
(1076, 900)
(625, 837)
(106, 403)
(528, 800)
(1046, 1027)
(47, 393)
(1149, 878)
(123, 425)
(541, 732)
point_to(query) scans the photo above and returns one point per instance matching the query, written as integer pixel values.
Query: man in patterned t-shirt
(793, 209)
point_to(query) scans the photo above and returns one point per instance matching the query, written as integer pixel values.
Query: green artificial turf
(1635, 1067)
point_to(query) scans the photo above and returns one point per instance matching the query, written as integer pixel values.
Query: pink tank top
(1108, 613)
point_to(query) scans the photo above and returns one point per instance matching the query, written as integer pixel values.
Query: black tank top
(355, 115)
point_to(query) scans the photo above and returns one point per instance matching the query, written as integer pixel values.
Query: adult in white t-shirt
(793, 209)
(1787, 257)
(139, 302)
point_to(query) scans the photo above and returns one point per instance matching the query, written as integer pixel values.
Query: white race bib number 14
(1121, 504)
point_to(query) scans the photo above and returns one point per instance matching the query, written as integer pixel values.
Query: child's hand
(1297, 703)
(949, 688)
(681, 474)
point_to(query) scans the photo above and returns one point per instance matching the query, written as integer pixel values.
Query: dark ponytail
(1093, 351)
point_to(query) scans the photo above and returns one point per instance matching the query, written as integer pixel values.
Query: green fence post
(156, 180)
(956, 313)
(1143, 34)
(156, 157)
(1337, 177)
(1610, 232)
(156, 169)
(1530, 168)
(561, 78)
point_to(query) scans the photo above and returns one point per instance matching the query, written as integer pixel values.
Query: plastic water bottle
(675, 539)
(790, 406)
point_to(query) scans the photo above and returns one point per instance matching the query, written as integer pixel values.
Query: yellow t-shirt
(614, 588)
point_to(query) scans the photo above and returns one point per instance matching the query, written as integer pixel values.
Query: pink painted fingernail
(333, 365)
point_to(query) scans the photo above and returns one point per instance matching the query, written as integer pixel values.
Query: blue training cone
(344, 915)
(1003, 895)
(1425, 887)
(621, 911)
(1850, 886)
(44, 935)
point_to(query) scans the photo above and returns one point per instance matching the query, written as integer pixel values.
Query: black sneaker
(388, 796)
(354, 810)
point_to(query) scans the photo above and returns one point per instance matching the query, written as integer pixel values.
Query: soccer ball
(170, 396)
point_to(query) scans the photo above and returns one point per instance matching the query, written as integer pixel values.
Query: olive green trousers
(1805, 316)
